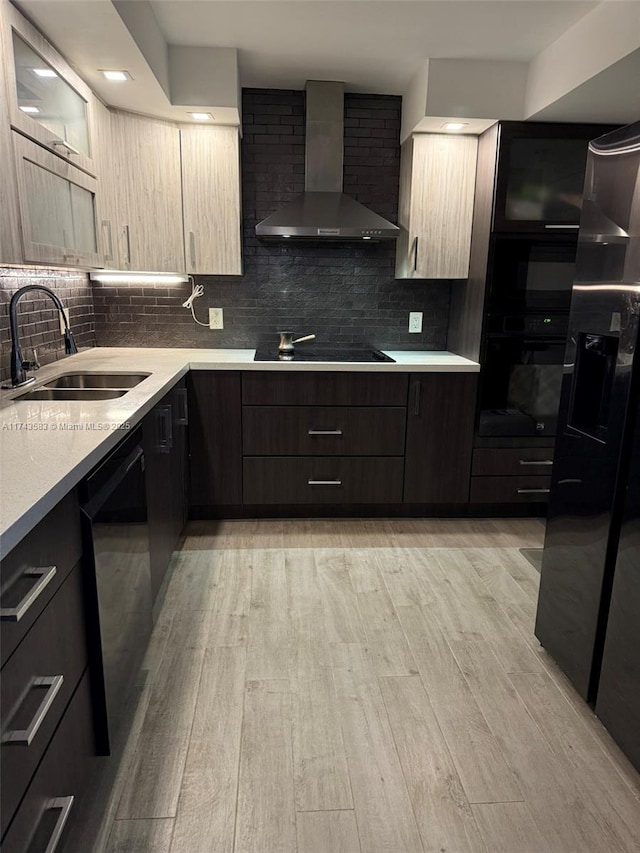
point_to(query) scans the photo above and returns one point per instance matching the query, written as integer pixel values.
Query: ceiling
(564, 60)
(371, 46)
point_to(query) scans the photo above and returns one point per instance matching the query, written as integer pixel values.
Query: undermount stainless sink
(87, 394)
(97, 380)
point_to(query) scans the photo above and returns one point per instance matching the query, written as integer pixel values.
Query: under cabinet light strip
(125, 277)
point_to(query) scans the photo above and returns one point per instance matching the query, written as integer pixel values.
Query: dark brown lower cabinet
(215, 438)
(47, 808)
(322, 479)
(496, 490)
(179, 402)
(511, 475)
(246, 428)
(31, 573)
(165, 448)
(323, 430)
(324, 388)
(440, 419)
(37, 683)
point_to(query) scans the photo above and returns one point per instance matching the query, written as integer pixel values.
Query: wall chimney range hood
(323, 211)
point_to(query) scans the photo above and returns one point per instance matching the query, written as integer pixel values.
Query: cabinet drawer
(322, 479)
(37, 683)
(32, 572)
(498, 490)
(47, 807)
(323, 430)
(324, 389)
(512, 461)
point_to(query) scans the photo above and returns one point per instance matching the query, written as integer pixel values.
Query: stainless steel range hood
(323, 211)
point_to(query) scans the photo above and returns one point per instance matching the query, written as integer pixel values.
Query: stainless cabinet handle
(106, 226)
(536, 461)
(165, 431)
(183, 417)
(65, 805)
(562, 227)
(127, 234)
(324, 432)
(416, 406)
(44, 575)
(324, 482)
(534, 491)
(192, 248)
(62, 143)
(24, 737)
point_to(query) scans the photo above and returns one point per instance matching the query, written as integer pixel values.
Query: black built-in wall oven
(524, 338)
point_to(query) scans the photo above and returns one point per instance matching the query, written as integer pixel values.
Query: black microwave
(531, 275)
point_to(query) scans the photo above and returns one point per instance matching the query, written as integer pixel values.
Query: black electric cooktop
(305, 352)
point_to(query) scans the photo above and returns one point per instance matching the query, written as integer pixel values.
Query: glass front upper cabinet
(541, 170)
(50, 104)
(57, 208)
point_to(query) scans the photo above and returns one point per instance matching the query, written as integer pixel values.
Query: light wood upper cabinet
(48, 102)
(57, 204)
(146, 172)
(108, 219)
(437, 183)
(10, 245)
(211, 199)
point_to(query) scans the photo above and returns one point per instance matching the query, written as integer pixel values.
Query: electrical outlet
(415, 321)
(66, 314)
(216, 319)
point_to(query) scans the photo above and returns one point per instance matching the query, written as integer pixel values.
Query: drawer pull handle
(324, 482)
(106, 226)
(536, 461)
(65, 805)
(325, 432)
(416, 407)
(192, 249)
(183, 410)
(62, 143)
(15, 614)
(533, 491)
(24, 737)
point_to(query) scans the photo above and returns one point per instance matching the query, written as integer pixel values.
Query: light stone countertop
(47, 447)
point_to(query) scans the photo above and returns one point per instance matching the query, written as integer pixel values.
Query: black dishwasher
(114, 517)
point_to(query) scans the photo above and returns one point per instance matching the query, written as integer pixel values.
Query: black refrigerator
(618, 698)
(589, 603)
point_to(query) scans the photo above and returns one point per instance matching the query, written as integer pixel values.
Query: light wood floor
(362, 687)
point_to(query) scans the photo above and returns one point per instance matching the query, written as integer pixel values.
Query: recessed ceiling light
(45, 72)
(30, 110)
(201, 116)
(455, 125)
(116, 76)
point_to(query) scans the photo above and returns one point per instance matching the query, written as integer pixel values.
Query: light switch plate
(216, 318)
(415, 321)
(66, 314)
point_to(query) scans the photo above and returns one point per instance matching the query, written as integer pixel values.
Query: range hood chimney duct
(324, 138)
(323, 211)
